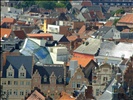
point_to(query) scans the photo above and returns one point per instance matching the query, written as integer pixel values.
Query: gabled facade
(75, 81)
(50, 79)
(16, 77)
(100, 78)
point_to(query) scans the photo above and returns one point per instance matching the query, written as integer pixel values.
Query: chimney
(73, 66)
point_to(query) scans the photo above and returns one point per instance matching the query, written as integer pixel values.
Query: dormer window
(22, 72)
(10, 71)
(45, 78)
(59, 79)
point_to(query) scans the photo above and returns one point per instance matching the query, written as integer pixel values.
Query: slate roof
(94, 8)
(60, 38)
(128, 35)
(17, 62)
(92, 48)
(104, 32)
(116, 50)
(47, 70)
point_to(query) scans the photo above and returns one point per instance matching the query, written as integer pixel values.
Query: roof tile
(5, 32)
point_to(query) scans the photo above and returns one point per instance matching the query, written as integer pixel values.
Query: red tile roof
(40, 35)
(109, 23)
(83, 61)
(20, 34)
(5, 32)
(72, 38)
(82, 29)
(8, 20)
(127, 18)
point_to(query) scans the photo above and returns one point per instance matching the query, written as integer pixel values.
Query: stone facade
(53, 89)
(75, 81)
(101, 77)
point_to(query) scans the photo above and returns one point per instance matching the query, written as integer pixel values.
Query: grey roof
(94, 8)
(128, 35)
(92, 48)
(60, 38)
(36, 31)
(12, 9)
(54, 15)
(104, 32)
(106, 47)
(47, 70)
(17, 62)
(107, 95)
(119, 50)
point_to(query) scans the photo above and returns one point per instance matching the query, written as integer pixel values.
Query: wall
(53, 28)
(26, 87)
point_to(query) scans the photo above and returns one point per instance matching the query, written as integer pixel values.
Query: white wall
(53, 28)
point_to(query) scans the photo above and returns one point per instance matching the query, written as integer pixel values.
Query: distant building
(113, 2)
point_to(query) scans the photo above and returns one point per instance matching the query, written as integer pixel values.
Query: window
(45, 78)
(21, 92)
(59, 79)
(97, 92)
(27, 91)
(10, 92)
(4, 83)
(22, 72)
(105, 79)
(78, 85)
(22, 83)
(15, 92)
(10, 73)
(73, 85)
(9, 82)
(15, 82)
(27, 83)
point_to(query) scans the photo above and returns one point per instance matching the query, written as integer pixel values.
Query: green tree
(115, 21)
(60, 5)
(47, 4)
